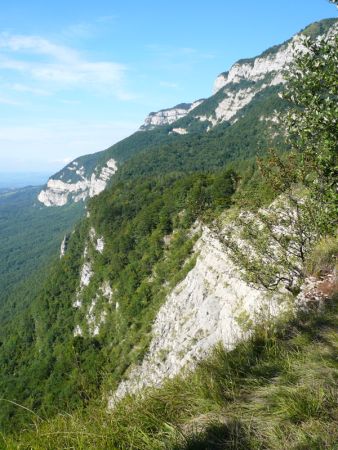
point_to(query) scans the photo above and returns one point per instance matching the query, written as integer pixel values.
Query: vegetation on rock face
(215, 149)
(47, 368)
(275, 391)
(279, 239)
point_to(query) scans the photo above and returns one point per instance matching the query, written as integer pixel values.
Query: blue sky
(77, 76)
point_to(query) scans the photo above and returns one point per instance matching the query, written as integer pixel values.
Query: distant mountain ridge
(235, 93)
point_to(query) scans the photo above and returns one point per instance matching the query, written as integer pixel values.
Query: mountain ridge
(234, 90)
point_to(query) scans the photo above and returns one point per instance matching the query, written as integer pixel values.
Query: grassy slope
(277, 391)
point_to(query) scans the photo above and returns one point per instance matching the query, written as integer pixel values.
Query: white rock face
(269, 67)
(95, 313)
(255, 71)
(107, 291)
(86, 274)
(229, 107)
(168, 116)
(100, 245)
(77, 331)
(211, 305)
(98, 242)
(258, 68)
(95, 320)
(220, 82)
(179, 131)
(58, 192)
(77, 303)
(63, 247)
(94, 317)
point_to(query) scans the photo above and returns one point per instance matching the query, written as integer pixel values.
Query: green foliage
(312, 124)
(318, 28)
(271, 245)
(224, 144)
(253, 397)
(275, 243)
(323, 258)
(312, 133)
(146, 226)
(276, 391)
(27, 228)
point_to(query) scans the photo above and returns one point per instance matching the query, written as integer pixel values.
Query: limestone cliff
(60, 190)
(168, 116)
(211, 305)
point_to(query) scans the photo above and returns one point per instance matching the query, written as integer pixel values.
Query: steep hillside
(27, 228)
(276, 392)
(193, 244)
(117, 268)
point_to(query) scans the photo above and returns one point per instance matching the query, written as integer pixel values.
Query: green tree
(312, 126)
(272, 246)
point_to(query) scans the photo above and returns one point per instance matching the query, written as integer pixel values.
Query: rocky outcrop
(247, 78)
(219, 301)
(97, 241)
(261, 72)
(63, 246)
(94, 313)
(256, 69)
(179, 131)
(211, 305)
(78, 187)
(168, 116)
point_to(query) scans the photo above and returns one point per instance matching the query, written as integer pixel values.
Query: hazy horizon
(19, 179)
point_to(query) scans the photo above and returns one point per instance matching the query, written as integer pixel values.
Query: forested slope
(30, 235)
(91, 320)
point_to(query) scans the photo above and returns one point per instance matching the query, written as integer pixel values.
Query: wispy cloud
(36, 45)
(177, 58)
(30, 90)
(80, 30)
(60, 66)
(9, 101)
(107, 19)
(169, 84)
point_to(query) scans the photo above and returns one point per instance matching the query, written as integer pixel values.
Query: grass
(323, 258)
(272, 392)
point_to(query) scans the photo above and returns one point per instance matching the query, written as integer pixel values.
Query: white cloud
(168, 84)
(60, 66)
(8, 101)
(31, 90)
(36, 45)
(176, 59)
(107, 19)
